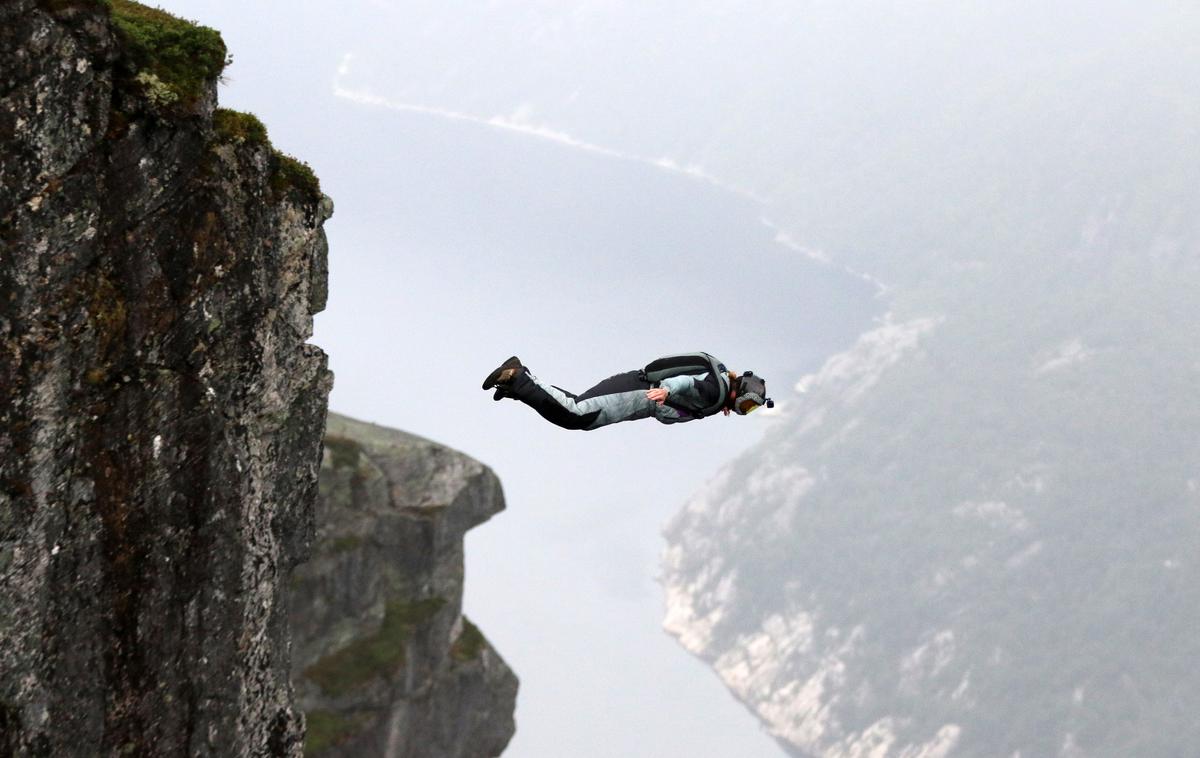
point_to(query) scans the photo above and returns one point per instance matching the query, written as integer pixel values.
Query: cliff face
(384, 661)
(161, 412)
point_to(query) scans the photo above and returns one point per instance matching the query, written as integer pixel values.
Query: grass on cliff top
(288, 175)
(235, 126)
(379, 654)
(293, 177)
(175, 60)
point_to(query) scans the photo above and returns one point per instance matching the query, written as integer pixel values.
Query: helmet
(750, 394)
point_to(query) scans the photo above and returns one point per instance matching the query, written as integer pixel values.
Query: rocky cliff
(385, 663)
(160, 412)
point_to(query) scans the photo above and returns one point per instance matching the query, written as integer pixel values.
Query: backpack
(690, 363)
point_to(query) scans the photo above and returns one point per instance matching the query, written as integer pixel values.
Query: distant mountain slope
(997, 554)
(976, 533)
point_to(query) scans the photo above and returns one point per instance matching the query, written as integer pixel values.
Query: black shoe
(504, 374)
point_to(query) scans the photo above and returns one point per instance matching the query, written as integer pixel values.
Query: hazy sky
(592, 184)
(464, 236)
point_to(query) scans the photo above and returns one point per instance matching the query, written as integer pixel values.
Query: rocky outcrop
(160, 411)
(385, 663)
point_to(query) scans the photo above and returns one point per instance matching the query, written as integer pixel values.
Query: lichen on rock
(174, 59)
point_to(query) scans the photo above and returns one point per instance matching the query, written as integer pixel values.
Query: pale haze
(990, 193)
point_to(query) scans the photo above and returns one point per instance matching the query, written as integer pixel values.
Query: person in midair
(673, 389)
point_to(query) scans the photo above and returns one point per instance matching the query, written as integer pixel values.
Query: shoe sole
(513, 362)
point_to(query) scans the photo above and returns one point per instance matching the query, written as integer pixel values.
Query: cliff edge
(385, 663)
(160, 412)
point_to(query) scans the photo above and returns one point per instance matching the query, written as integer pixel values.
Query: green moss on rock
(291, 177)
(235, 126)
(380, 654)
(469, 645)
(324, 729)
(345, 543)
(172, 59)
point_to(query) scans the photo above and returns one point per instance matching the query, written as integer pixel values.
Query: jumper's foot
(503, 374)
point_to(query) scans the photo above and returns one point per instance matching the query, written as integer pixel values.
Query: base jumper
(672, 389)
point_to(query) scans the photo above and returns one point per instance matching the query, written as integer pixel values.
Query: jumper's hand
(725, 411)
(658, 395)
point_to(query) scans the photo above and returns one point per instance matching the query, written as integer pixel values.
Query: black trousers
(621, 397)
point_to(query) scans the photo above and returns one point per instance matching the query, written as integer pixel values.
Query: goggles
(747, 405)
(751, 394)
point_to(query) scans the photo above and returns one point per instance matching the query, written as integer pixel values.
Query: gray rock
(385, 663)
(160, 410)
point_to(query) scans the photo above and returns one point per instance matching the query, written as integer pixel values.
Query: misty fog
(958, 238)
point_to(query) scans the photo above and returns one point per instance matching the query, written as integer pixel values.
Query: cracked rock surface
(160, 411)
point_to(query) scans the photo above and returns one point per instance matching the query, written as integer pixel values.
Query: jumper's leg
(619, 398)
